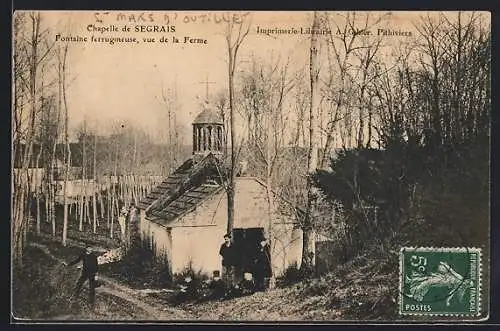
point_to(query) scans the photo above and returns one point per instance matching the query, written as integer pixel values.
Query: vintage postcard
(265, 166)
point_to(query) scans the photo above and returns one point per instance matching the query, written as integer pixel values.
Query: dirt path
(151, 310)
(117, 301)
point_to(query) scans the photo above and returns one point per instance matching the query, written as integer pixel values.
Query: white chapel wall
(199, 245)
(157, 238)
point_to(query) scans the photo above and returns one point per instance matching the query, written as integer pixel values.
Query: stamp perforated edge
(442, 249)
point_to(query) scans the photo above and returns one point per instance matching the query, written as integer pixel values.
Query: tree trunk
(87, 209)
(94, 189)
(308, 244)
(38, 190)
(52, 186)
(113, 196)
(270, 232)
(53, 207)
(231, 188)
(112, 224)
(232, 47)
(20, 201)
(83, 195)
(108, 202)
(16, 148)
(101, 202)
(65, 196)
(80, 208)
(370, 124)
(46, 204)
(62, 76)
(17, 225)
(112, 211)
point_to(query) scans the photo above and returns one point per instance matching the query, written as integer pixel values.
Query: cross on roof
(206, 82)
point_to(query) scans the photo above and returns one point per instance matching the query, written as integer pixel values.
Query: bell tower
(208, 132)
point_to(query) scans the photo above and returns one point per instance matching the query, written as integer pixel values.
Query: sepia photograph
(250, 166)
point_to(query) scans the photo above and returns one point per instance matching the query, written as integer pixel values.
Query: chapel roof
(183, 190)
(190, 185)
(208, 116)
(171, 213)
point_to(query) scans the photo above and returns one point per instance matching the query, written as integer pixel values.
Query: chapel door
(246, 243)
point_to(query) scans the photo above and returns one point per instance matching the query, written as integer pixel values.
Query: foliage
(382, 190)
(191, 283)
(140, 268)
(42, 286)
(431, 115)
(196, 276)
(291, 276)
(371, 188)
(365, 287)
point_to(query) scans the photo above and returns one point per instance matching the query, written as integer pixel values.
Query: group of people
(255, 274)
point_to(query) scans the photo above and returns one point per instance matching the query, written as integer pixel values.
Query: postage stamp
(178, 155)
(440, 281)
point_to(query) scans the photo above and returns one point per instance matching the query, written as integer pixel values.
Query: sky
(123, 82)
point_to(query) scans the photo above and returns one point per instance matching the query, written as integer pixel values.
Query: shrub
(374, 189)
(140, 267)
(190, 283)
(197, 276)
(291, 276)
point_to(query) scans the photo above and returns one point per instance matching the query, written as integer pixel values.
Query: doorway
(246, 242)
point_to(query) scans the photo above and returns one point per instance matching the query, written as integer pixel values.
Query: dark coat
(228, 255)
(89, 263)
(262, 262)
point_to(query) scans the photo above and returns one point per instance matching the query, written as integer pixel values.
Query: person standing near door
(262, 266)
(228, 254)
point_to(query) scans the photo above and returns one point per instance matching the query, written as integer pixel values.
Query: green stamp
(440, 281)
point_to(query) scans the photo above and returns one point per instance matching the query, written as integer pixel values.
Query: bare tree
(96, 190)
(220, 102)
(435, 90)
(167, 101)
(235, 35)
(433, 59)
(30, 54)
(62, 56)
(82, 202)
(308, 245)
(301, 104)
(264, 92)
(351, 55)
